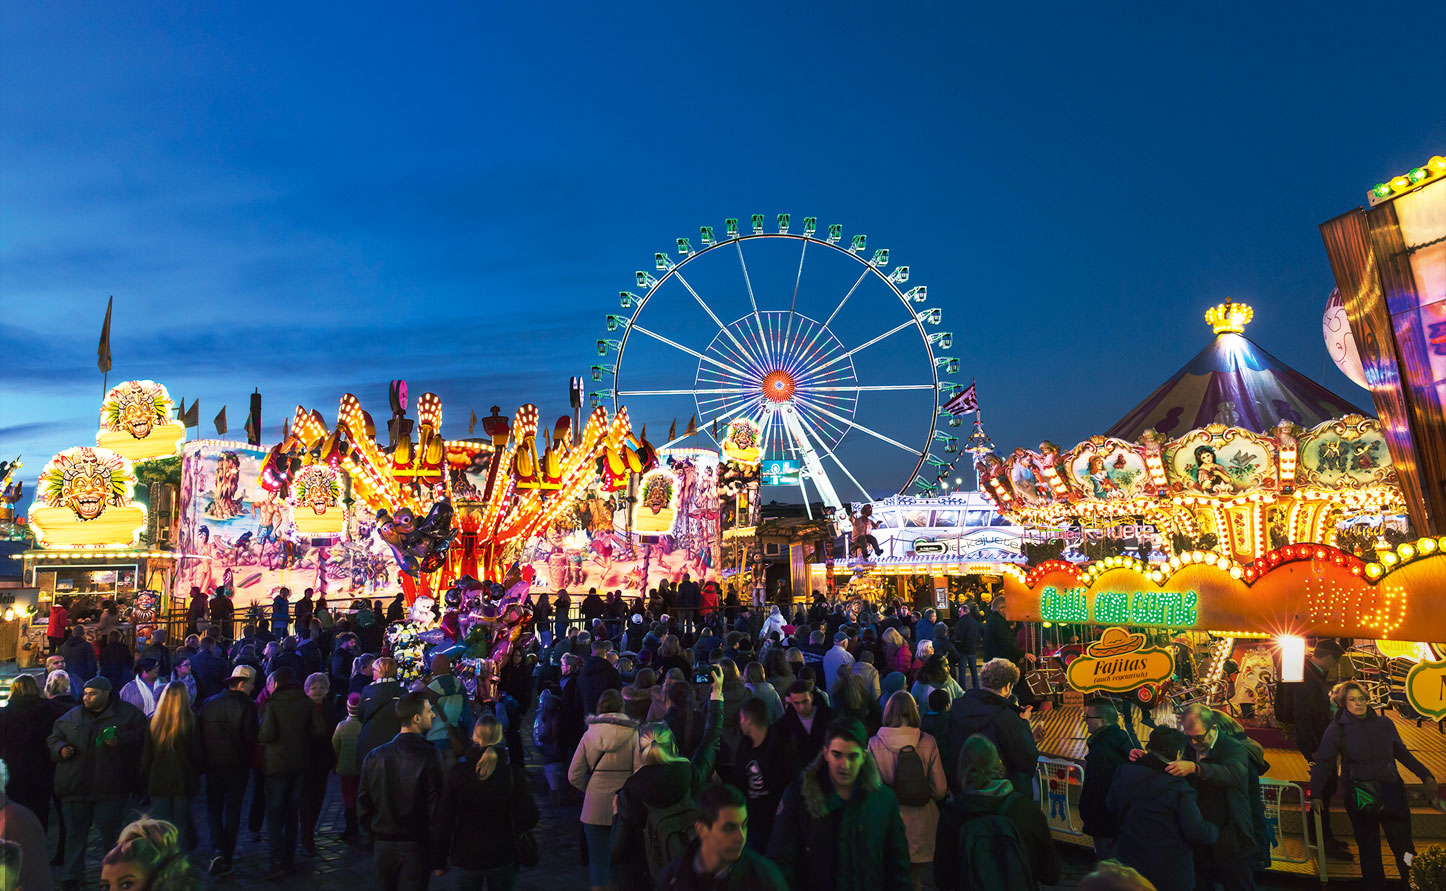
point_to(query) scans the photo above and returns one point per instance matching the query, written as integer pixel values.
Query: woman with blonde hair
(759, 688)
(172, 759)
(919, 785)
(664, 779)
(148, 856)
(474, 826)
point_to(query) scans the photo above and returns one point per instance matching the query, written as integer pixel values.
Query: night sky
(311, 200)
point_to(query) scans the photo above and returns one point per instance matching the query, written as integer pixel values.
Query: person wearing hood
(1369, 745)
(720, 858)
(985, 792)
(989, 711)
(892, 683)
(1107, 748)
(773, 624)
(597, 675)
(899, 736)
(604, 760)
(664, 779)
(1159, 819)
(838, 825)
(864, 668)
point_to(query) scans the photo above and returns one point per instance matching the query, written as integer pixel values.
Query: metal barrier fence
(1281, 823)
(1060, 782)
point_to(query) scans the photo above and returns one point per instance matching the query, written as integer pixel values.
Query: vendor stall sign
(1120, 662)
(316, 505)
(1426, 689)
(1172, 609)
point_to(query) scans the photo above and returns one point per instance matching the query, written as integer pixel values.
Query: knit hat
(98, 683)
(637, 619)
(353, 704)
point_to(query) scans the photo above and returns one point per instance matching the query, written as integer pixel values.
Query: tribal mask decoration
(87, 480)
(135, 407)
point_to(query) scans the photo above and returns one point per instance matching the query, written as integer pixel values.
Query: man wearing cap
(229, 725)
(96, 747)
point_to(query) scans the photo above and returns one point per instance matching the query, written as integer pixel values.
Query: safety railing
(1282, 822)
(1060, 782)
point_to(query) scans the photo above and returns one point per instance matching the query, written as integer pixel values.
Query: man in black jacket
(209, 668)
(1311, 704)
(288, 724)
(1107, 749)
(401, 785)
(79, 655)
(805, 721)
(229, 726)
(1000, 642)
(763, 767)
(597, 675)
(990, 711)
(1219, 768)
(718, 859)
(966, 638)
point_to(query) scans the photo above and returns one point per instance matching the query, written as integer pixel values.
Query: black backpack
(668, 832)
(911, 781)
(991, 853)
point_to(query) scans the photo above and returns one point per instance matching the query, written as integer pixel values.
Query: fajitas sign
(1119, 662)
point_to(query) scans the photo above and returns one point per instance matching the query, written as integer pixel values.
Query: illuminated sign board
(1119, 662)
(1173, 609)
(781, 472)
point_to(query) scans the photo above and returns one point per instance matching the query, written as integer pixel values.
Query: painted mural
(1109, 469)
(1221, 461)
(243, 537)
(593, 546)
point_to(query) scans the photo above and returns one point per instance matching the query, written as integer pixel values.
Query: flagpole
(977, 421)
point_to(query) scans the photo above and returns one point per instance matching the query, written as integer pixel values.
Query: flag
(253, 435)
(221, 422)
(715, 428)
(966, 400)
(192, 417)
(673, 430)
(102, 353)
(181, 412)
(472, 424)
(643, 437)
(692, 426)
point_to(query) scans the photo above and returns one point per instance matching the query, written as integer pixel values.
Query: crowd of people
(826, 746)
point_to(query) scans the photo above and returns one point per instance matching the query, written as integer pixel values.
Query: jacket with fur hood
(821, 842)
(602, 763)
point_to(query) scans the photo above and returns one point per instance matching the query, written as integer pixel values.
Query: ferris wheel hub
(778, 386)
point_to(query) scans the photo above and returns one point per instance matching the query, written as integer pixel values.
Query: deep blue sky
(314, 199)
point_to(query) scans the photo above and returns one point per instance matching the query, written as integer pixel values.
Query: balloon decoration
(419, 546)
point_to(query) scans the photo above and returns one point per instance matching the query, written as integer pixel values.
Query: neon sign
(1174, 609)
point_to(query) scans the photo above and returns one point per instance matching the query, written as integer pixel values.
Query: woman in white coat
(602, 763)
(900, 731)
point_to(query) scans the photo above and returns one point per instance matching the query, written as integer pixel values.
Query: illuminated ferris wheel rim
(767, 401)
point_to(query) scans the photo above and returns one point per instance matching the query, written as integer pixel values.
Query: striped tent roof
(1233, 381)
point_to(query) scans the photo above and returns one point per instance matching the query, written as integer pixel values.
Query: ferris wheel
(807, 336)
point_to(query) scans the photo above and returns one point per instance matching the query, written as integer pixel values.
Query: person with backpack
(991, 837)
(838, 826)
(656, 805)
(1160, 824)
(989, 710)
(720, 858)
(909, 763)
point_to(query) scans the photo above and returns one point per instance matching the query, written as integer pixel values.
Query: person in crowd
(229, 726)
(924, 628)
(838, 825)
(344, 741)
(565, 726)
(143, 690)
(638, 696)
(999, 641)
(289, 722)
(1158, 814)
(1311, 715)
(400, 788)
(25, 725)
(990, 835)
(864, 667)
(663, 787)
(989, 710)
(79, 655)
(909, 763)
(720, 857)
(379, 719)
(195, 610)
(1221, 771)
(303, 611)
(172, 758)
(892, 683)
(602, 763)
(182, 675)
(396, 610)
(851, 699)
(96, 747)
(149, 855)
(319, 762)
(452, 718)
(935, 720)
(934, 675)
(21, 827)
(343, 655)
(281, 612)
(114, 661)
(57, 663)
(361, 674)
(474, 830)
(1107, 748)
(806, 721)
(598, 674)
(222, 613)
(288, 658)
(156, 649)
(59, 621)
(756, 682)
(1368, 746)
(61, 690)
(838, 655)
(210, 669)
(764, 763)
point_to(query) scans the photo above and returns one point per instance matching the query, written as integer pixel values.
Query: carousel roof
(1235, 382)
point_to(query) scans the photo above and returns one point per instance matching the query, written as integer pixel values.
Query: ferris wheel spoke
(717, 321)
(855, 425)
(747, 280)
(797, 280)
(863, 275)
(884, 388)
(796, 355)
(837, 460)
(736, 372)
(808, 408)
(865, 345)
(624, 394)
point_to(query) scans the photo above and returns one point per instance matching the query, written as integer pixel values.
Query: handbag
(1368, 796)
